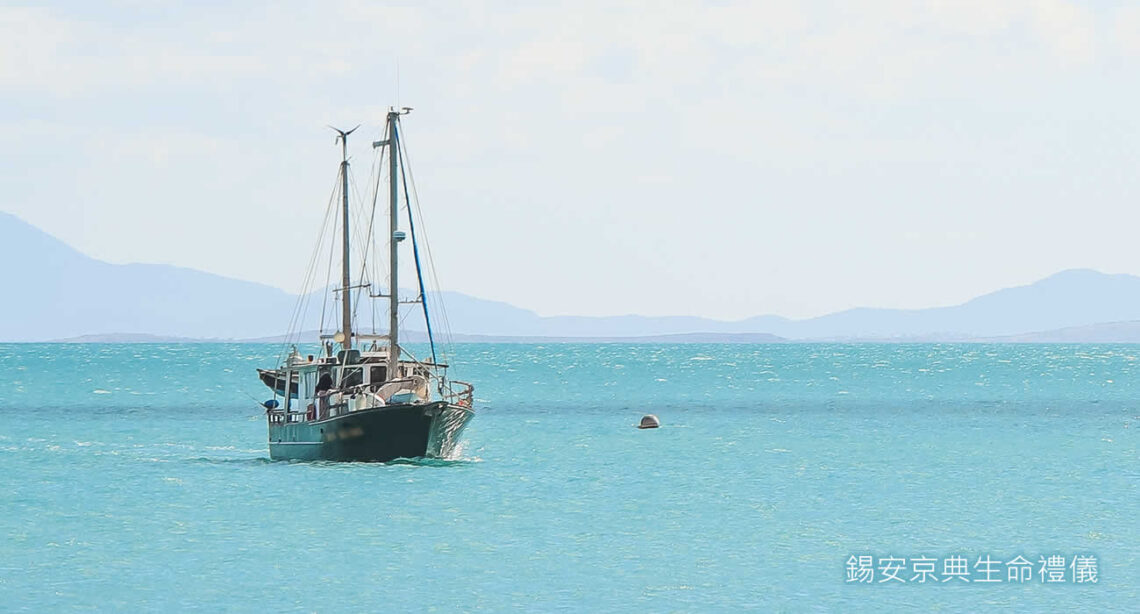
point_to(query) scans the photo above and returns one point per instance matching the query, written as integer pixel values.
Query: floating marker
(649, 421)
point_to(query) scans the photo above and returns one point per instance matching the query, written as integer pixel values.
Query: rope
(328, 296)
(441, 308)
(301, 307)
(416, 257)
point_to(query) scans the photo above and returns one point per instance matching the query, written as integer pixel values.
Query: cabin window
(352, 377)
(377, 375)
(308, 381)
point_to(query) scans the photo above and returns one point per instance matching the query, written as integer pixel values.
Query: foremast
(346, 277)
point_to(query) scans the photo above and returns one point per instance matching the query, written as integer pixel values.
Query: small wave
(433, 462)
(406, 462)
(100, 391)
(230, 461)
(399, 462)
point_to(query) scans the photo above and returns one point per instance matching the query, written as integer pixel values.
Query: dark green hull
(379, 434)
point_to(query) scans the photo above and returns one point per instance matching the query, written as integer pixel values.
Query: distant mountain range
(53, 292)
(1112, 332)
(421, 337)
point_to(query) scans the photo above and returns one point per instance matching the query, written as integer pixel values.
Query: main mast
(346, 279)
(393, 241)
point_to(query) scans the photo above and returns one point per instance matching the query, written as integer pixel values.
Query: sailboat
(365, 397)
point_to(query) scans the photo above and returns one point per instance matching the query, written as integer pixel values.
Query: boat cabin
(325, 386)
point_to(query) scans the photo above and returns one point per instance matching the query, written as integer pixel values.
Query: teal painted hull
(381, 434)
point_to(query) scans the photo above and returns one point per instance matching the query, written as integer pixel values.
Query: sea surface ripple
(136, 478)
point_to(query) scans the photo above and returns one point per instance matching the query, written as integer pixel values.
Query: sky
(718, 159)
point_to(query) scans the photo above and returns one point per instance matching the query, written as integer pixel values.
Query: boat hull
(379, 434)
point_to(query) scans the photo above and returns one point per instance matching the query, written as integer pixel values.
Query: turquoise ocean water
(136, 478)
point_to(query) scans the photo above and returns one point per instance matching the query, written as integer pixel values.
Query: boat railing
(280, 416)
(454, 392)
(464, 397)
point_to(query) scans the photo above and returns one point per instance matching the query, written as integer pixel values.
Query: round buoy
(649, 421)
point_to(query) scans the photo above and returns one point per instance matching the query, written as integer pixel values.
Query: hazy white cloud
(1125, 32)
(616, 150)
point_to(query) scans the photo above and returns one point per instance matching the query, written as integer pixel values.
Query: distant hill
(676, 338)
(1078, 297)
(421, 337)
(1073, 298)
(133, 338)
(1112, 332)
(54, 292)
